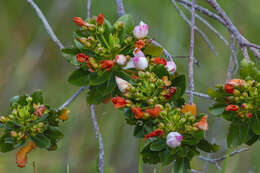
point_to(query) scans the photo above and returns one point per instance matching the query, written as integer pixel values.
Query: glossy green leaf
(41, 141)
(97, 79)
(255, 125)
(79, 78)
(153, 50)
(204, 145)
(217, 110)
(37, 97)
(70, 54)
(233, 138)
(158, 145)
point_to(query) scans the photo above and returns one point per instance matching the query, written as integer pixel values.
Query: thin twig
(191, 77)
(220, 36)
(165, 52)
(222, 157)
(89, 9)
(71, 99)
(46, 24)
(231, 59)
(194, 171)
(120, 8)
(34, 167)
(203, 35)
(199, 94)
(99, 138)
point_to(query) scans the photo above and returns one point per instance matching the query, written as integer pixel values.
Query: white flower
(140, 63)
(141, 30)
(120, 59)
(171, 67)
(122, 84)
(174, 139)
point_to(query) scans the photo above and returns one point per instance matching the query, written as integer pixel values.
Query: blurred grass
(30, 60)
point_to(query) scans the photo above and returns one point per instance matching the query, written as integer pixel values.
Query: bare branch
(99, 138)
(199, 94)
(231, 59)
(46, 24)
(255, 52)
(89, 8)
(222, 157)
(165, 52)
(191, 58)
(194, 171)
(70, 100)
(196, 28)
(220, 36)
(120, 8)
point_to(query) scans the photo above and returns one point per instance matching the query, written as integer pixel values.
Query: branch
(222, 157)
(191, 77)
(196, 28)
(165, 52)
(89, 9)
(231, 59)
(120, 8)
(46, 24)
(199, 94)
(99, 138)
(70, 100)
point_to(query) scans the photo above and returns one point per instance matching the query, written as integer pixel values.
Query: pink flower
(122, 84)
(141, 31)
(171, 67)
(120, 59)
(139, 61)
(174, 139)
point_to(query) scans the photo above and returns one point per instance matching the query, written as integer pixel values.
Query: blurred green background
(30, 60)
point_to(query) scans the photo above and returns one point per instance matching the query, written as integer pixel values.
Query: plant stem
(140, 157)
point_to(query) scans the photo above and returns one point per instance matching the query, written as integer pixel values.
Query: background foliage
(30, 60)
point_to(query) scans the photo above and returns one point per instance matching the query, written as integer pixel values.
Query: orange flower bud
(138, 112)
(159, 60)
(100, 19)
(21, 155)
(189, 108)
(119, 102)
(107, 64)
(158, 132)
(203, 123)
(79, 21)
(232, 108)
(64, 114)
(155, 112)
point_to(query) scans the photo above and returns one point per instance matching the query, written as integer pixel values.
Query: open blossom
(189, 108)
(174, 139)
(107, 64)
(141, 31)
(158, 132)
(138, 112)
(39, 110)
(159, 60)
(232, 108)
(100, 19)
(171, 67)
(203, 123)
(120, 59)
(119, 102)
(79, 21)
(122, 84)
(237, 82)
(64, 115)
(154, 112)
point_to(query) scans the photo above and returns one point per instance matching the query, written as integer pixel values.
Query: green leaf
(255, 125)
(5, 147)
(97, 79)
(228, 115)
(211, 93)
(160, 70)
(140, 131)
(217, 110)
(204, 145)
(181, 166)
(54, 133)
(37, 97)
(244, 132)
(128, 22)
(180, 82)
(158, 145)
(79, 77)
(70, 55)
(95, 95)
(153, 50)
(233, 138)
(41, 141)
(151, 157)
(21, 100)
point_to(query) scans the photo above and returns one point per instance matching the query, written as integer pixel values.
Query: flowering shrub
(30, 124)
(238, 101)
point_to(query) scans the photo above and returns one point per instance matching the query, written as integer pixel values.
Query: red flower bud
(107, 64)
(232, 108)
(79, 21)
(159, 60)
(39, 110)
(155, 112)
(119, 102)
(137, 112)
(81, 57)
(249, 115)
(139, 45)
(229, 88)
(158, 132)
(100, 19)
